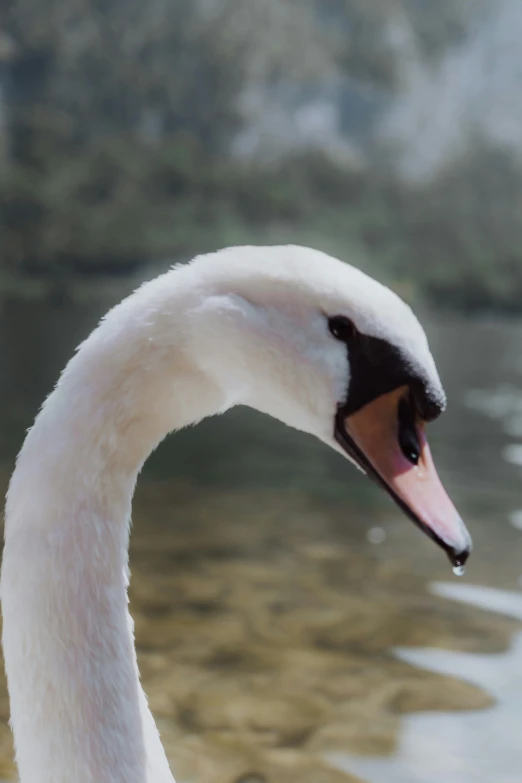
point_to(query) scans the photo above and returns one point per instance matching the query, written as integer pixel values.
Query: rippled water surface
(291, 624)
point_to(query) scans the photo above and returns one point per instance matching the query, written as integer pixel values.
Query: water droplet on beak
(459, 570)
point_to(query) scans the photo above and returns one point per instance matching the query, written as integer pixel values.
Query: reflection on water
(516, 519)
(504, 404)
(513, 454)
(475, 747)
(271, 583)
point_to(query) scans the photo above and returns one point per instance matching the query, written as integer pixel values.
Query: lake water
(291, 624)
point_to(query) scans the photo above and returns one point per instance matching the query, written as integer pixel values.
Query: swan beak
(371, 437)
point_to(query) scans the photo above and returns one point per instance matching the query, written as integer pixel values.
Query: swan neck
(77, 707)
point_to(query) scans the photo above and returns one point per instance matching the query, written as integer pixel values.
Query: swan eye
(342, 328)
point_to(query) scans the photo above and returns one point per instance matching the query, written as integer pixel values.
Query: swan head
(324, 348)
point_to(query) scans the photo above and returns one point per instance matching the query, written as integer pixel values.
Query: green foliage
(86, 69)
(117, 145)
(460, 238)
(459, 241)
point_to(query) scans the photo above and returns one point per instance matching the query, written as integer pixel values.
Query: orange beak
(374, 437)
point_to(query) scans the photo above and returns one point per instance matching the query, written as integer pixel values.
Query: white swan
(287, 330)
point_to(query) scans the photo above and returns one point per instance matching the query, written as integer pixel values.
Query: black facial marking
(378, 367)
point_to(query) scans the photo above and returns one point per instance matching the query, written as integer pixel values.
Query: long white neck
(77, 707)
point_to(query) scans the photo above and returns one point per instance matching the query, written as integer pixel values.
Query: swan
(287, 330)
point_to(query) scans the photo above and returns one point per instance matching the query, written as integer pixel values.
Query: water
(291, 625)
(460, 748)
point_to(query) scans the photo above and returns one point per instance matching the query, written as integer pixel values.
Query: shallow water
(291, 624)
(475, 747)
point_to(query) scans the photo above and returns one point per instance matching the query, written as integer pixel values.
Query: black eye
(342, 328)
(408, 437)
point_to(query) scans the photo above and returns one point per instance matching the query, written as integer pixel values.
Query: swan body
(247, 326)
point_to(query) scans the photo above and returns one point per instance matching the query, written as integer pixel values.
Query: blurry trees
(116, 119)
(119, 115)
(91, 91)
(88, 69)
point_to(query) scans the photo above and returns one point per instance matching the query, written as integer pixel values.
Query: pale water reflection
(474, 747)
(516, 519)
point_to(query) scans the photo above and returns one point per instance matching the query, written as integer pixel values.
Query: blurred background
(291, 625)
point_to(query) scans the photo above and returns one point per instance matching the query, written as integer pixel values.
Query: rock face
(473, 93)
(390, 80)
